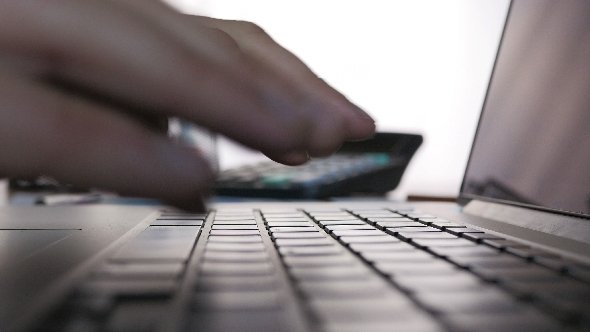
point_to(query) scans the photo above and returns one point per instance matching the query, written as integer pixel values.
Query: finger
(294, 158)
(261, 47)
(154, 121)
(44, 132)
(126, 56)
(327, 128)
(26, 66)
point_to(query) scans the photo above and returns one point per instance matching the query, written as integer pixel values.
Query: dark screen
(533, 142)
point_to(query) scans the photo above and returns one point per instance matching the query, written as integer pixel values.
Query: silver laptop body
(514, 255)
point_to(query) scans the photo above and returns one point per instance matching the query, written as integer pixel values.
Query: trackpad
(19, 244)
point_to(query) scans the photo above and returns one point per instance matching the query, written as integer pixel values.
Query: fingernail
(361, 113)
(342, 104)
(357, 112)
(295, 158)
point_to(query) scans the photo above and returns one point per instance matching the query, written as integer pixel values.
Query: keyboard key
(525, 273)
(298, 235)
(282, 214)
(292, 229)
(321, 219)
(461, 230)
(219, 217)
(328, 214)
(173, 215)
(234, 213)
(566, 300)
(211, 268)
(420, 216)
(454, 242)
(416, 322)
(342, 222)
(326, 260)
(478, 237)
(311, 251)
(236, 239)
(373, 232)
(381, 247)
(503, 244)
(499, 261)
(368, 239)
(393, 218)
(482, 301)
(326, 273)
(445, 225)
(285, 219)
(404, 256)
(234, 227)
(464, 251)
(526, 320)
(234, 232)
(237, 283)
(392, 309)
(553, 263)
(396, 230)
(234, 222)
(390, 224)
(247, 319)
(430, 221)
(304, 242)
(563, 288)
(381, 215)
(236, 300)
(529, 253)
(448, 283)
(407, 236)
(289, 224)
(420, 268)
(342, 289)
(233, 256)
(237, 247)
(348, 227)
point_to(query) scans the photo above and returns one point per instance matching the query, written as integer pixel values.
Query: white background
(419, 66)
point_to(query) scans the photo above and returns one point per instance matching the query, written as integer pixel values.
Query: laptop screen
(532, 145)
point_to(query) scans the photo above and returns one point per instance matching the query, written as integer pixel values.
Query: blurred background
(419, 66)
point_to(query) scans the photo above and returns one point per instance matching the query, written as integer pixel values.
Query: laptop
(513, 255)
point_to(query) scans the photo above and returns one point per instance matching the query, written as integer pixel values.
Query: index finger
(259, 45)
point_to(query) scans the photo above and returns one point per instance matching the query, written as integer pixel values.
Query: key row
(344, 293)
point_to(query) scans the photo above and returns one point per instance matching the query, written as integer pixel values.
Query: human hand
(78, 78)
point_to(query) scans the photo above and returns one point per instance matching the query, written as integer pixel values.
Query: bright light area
(418, 66)
(3, 192)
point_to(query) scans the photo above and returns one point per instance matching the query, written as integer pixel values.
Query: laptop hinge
(574, 228)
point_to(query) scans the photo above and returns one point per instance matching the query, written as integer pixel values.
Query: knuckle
(223, 39)
(249, 28)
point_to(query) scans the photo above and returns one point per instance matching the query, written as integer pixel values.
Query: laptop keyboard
(325, 270)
